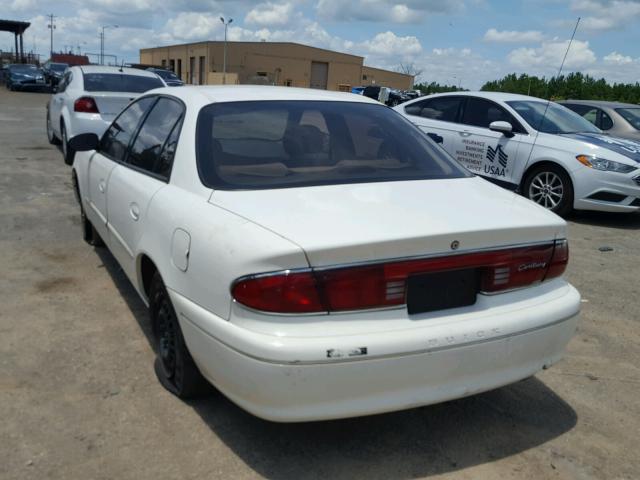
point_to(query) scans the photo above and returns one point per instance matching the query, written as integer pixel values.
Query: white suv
(88, 98)
(550, 154)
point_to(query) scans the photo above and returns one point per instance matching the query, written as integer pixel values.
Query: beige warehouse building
(271, 63)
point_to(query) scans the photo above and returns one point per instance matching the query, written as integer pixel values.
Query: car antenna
(544, 114)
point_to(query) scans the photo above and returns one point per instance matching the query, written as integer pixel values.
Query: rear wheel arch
(146, 270)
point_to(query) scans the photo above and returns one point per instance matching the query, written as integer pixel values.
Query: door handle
(102, 186)
(464, 133)
(134, 211)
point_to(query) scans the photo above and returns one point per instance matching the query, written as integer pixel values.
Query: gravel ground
(79, 398)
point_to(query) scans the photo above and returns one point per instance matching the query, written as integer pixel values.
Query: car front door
(57, 102)
(111, 151)
(436, 117)
(144, 172)
(491, 154)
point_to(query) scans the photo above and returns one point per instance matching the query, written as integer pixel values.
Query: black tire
(174, 366)
(550, 187)
(53, 140)
(89, 233)
(67, 152)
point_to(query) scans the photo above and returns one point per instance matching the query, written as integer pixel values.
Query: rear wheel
(53, 140)
(550, 187)
(67, 152)
(174, 366)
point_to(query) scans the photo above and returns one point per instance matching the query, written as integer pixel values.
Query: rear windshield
(631, 115)
(167, 75)
(277, 144)
(119, 82)
(58, 67)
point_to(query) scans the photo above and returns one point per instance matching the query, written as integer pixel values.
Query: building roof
(253, 43)
(13, 26)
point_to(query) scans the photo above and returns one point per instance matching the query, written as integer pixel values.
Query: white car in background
(562, 162)
(314, 256)
(88, 98)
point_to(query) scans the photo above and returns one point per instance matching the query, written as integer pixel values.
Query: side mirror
(502, 127)
(84, 142)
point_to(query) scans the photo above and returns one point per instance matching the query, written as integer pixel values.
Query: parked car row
(317, 255)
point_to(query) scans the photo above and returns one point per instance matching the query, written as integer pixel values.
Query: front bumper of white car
(294, 378)
(606, 191)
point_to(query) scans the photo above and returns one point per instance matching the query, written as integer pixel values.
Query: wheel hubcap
(546, 189)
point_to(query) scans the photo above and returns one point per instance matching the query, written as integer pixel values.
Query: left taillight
(85, 105)
(384, 285)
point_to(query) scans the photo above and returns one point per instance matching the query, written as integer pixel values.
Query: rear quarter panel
(223, 247)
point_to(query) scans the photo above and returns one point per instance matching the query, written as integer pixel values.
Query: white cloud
(615, 58)
(602, 15)
(270, 14)
(513, 36)
(548, 57)
(409, 11)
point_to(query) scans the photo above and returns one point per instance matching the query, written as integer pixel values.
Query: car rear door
(436, 117)
(144, 172)
(493, 155)
(112, 151)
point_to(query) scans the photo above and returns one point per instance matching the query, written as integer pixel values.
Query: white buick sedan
(314, 255)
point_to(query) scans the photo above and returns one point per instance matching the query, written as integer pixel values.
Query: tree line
(577, 86)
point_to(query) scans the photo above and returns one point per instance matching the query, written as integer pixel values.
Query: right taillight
(559, 260)
(383, 285)
(85, 105)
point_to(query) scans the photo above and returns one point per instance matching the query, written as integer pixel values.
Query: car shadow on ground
(414, 443)
(623, 221)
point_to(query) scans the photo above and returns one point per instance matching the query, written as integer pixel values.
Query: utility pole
(102, 42)
(52, 27)
(224, 64)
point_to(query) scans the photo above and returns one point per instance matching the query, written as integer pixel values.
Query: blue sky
(463, 42)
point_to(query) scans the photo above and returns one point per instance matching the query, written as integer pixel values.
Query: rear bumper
(486, 357)
(88, 123)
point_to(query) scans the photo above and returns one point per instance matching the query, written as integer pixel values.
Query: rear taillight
(85, 105)
(385, 284)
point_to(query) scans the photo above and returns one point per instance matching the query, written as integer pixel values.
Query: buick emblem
(455, 244)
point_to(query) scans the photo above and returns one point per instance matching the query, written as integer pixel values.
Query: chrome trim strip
(385, 356)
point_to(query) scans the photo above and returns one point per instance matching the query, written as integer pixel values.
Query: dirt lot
(79, 398)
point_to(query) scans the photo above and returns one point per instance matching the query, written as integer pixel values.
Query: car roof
(601, 103)
(105, 69)
(240, 93)
(496, 96)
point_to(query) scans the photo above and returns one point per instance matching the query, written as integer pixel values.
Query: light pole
(224, 64)
(102, 42)
(52, 27)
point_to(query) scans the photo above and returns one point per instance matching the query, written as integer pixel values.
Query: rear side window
(119, 82)
(277, 144)
(153, 148)
(481, 113)
(631, 115)
(115, 140)
(439, 108)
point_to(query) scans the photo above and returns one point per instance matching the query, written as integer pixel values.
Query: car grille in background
(637, 179)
